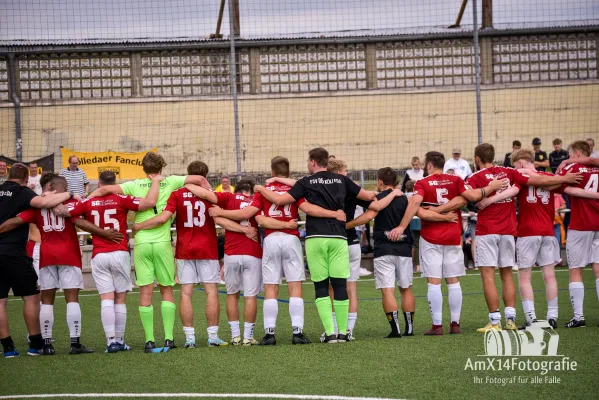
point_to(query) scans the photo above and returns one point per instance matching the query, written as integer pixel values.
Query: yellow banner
(124, 165)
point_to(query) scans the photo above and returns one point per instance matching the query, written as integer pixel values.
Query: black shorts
(221, 246)
(17, 273)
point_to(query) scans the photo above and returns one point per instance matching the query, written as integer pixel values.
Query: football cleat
(350, 335)
(393, 335)
(489, 327)
(268, 340)
(113, 348)
(341, 338)
(11, 352)
(190, 344)
(78, 348)
(300, 338)
(436, 330)
(552, 322)
(575, 323)
(149, 347)
(322, 336)
(123, 346)
(510, 325)
(329, 339)
(48, 350)
(236, 341)
(169, 344)
(218, 342)
(34, 352)
(454, 328)
(526, 324)
(249, 342)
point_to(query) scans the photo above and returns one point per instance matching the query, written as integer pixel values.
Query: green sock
(341, 311)
(147, 320)
(168, 319)
(325, 311)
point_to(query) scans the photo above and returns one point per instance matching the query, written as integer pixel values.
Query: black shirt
(556, 158)
(540, 156)
(507, 161)
(388, 219)
(350, 212)
(329, 191)
(14, 199)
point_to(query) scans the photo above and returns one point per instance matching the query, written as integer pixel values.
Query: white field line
(195, 395)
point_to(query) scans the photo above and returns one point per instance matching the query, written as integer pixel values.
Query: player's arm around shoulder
(123, 188)
(580, 192)
(202, 193)
(319, 212)
(273, 223)
(11, 224)
(280, 199)
(378, 205)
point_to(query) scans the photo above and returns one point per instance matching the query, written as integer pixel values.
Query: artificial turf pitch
(416, 367)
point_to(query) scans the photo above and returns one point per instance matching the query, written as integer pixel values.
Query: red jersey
(237, 244)
(59, 245)
(281, 213)
(196, 232)
(108, 212)
(29, 248)
(536, 210)
(498, 218)
(585, 212)
(441, 188)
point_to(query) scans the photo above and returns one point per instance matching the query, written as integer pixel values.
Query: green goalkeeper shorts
(327, 257)
(154, 261)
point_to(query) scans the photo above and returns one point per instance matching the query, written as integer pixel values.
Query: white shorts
(355, 258)
(441, 261)
(36, 258)
(112, 272)
(495, 251)
(198, 271)
(391, 269)
(243, 273)
(282, 255)
(537, 250)
(582, 248)
(60, 277)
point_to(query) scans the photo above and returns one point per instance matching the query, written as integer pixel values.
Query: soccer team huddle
(504, 239)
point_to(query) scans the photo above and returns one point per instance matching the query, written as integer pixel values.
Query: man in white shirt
(594, 153)
(458, 164)
(34, 179)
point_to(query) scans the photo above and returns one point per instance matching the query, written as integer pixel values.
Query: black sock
(7, 343)
(393, 322)
(36, 341)
(75, 340)
(409, 319)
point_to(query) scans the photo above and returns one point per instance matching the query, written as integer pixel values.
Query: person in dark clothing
(557, 155)
(516, 145)
(541, 159)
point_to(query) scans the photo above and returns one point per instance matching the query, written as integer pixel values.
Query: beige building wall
(370, 131)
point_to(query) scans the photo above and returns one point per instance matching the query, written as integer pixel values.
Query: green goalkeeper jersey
(140, 188)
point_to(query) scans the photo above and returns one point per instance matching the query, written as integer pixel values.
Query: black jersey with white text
(386, 220)
(14, 199)
(329, 191)
(350, 212)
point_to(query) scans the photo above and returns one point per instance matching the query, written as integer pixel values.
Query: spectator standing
(591, 142)
(3, 172)
(414, 174)
(541, 159)
(557, 155)
(516, 145)
(225, 185)
(34, 179)
(415, 227)
(460, 166)
(558, 223)
(76, 179)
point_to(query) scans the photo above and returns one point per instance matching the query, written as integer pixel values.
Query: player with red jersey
(60, 267)
(582, 247)
(441, 254)
(197, 254)
(282, 250)
(496, 228)
(111, 262)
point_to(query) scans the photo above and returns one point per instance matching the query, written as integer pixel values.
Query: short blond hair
(336, 165)
(522, 154)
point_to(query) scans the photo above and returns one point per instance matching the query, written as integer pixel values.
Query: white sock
(495, 317)
(235, 329)
(351, 320)
(190, 334)
(213, 332)
(47, 320)
(510, 313)
(120, 322)
(335, 324)
(529, 310)
(454, 297)
(577, 298)
(74, 319)
(248, 330)
(435, 303)
(552, 309)
(108, 320)
(271, 310)
(296, 312)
